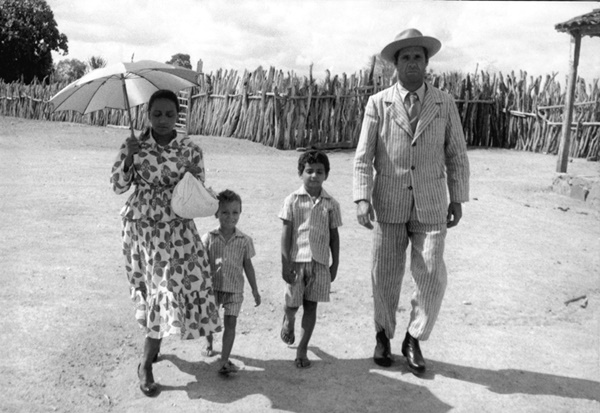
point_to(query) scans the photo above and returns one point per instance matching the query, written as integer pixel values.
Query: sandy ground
(505, 340)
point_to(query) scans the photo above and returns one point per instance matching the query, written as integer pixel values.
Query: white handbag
(192, 200)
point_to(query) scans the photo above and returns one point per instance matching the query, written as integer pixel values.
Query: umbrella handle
(127, 105)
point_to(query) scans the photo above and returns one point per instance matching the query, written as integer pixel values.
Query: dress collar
(148, 138)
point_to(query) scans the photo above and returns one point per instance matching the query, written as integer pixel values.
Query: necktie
(414, 109)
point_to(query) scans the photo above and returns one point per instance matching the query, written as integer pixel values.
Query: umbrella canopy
(121, 86)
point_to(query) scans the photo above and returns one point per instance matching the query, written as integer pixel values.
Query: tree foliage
(69, 70)
(28, 35)
(96, 62)
(180, 59)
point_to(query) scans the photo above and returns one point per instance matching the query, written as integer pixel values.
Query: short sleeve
(335, 215)
(286, 213)
(249, 250)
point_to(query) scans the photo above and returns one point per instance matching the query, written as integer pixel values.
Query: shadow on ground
(359, 384)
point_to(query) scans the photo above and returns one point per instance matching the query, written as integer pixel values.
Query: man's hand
(364, 213)
(454, 214)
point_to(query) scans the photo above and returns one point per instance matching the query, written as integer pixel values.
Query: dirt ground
(505, 340)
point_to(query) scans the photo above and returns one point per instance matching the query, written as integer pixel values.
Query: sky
(335, 35)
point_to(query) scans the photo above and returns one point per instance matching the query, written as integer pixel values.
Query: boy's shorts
(231, 302)
(313, 283)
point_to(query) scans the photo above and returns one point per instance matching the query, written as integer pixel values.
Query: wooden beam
(565, 141)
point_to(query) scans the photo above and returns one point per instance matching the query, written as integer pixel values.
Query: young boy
(229, 253)
(311, 218)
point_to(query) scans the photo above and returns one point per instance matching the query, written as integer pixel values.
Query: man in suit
(411, 154)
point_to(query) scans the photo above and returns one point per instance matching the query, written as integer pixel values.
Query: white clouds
(338, 35)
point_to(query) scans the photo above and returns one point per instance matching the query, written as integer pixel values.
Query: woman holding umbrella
(166, 264)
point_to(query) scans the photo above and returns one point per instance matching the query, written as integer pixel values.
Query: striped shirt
(311, 222)
(404, 94)
(227, 259)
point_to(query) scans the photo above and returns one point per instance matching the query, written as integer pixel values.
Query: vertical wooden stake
(565, 144)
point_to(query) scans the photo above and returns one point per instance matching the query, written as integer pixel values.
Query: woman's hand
(133, 146)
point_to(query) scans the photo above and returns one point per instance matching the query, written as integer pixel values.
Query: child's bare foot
(207, 348)
(287, 333)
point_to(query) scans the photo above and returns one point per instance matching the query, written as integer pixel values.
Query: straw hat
(407, 38)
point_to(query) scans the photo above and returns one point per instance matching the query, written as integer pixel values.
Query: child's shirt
(311, 222)
(227, 259)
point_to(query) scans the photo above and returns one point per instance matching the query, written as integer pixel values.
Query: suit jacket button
(410, 188)
(412, 167)
(414, 144)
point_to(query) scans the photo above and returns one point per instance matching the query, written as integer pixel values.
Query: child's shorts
(231, 302)
(313, 283)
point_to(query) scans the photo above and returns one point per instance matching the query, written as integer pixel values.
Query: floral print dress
(166, 263)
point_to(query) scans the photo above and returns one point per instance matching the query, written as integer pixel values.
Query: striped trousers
(427, 267)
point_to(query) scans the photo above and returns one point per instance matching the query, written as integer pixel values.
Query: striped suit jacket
(394, 167)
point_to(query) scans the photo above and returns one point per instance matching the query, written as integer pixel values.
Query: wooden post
(565, 144)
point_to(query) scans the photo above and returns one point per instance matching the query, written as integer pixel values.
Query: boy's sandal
(228, 368)
(207, 352)
(302, 363)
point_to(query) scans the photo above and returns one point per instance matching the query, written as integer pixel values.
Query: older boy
(229, 253)
(311, 218)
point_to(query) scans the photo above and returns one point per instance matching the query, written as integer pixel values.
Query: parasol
(121, 86)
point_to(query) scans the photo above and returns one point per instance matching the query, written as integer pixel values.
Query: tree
(96, 62)
(180, 59)
(28, 35)
(69, 70)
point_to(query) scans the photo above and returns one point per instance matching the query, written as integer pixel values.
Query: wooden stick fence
(287, 111)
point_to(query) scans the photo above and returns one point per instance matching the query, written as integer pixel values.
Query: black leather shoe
(383, 353)
(412, 352)
(148, 387)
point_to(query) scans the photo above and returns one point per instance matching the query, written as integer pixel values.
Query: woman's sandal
(149, 389)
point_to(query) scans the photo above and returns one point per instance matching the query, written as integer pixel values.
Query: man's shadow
(514, 381)
(359, 385)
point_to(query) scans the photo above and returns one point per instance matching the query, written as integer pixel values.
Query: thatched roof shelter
(584, 25)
